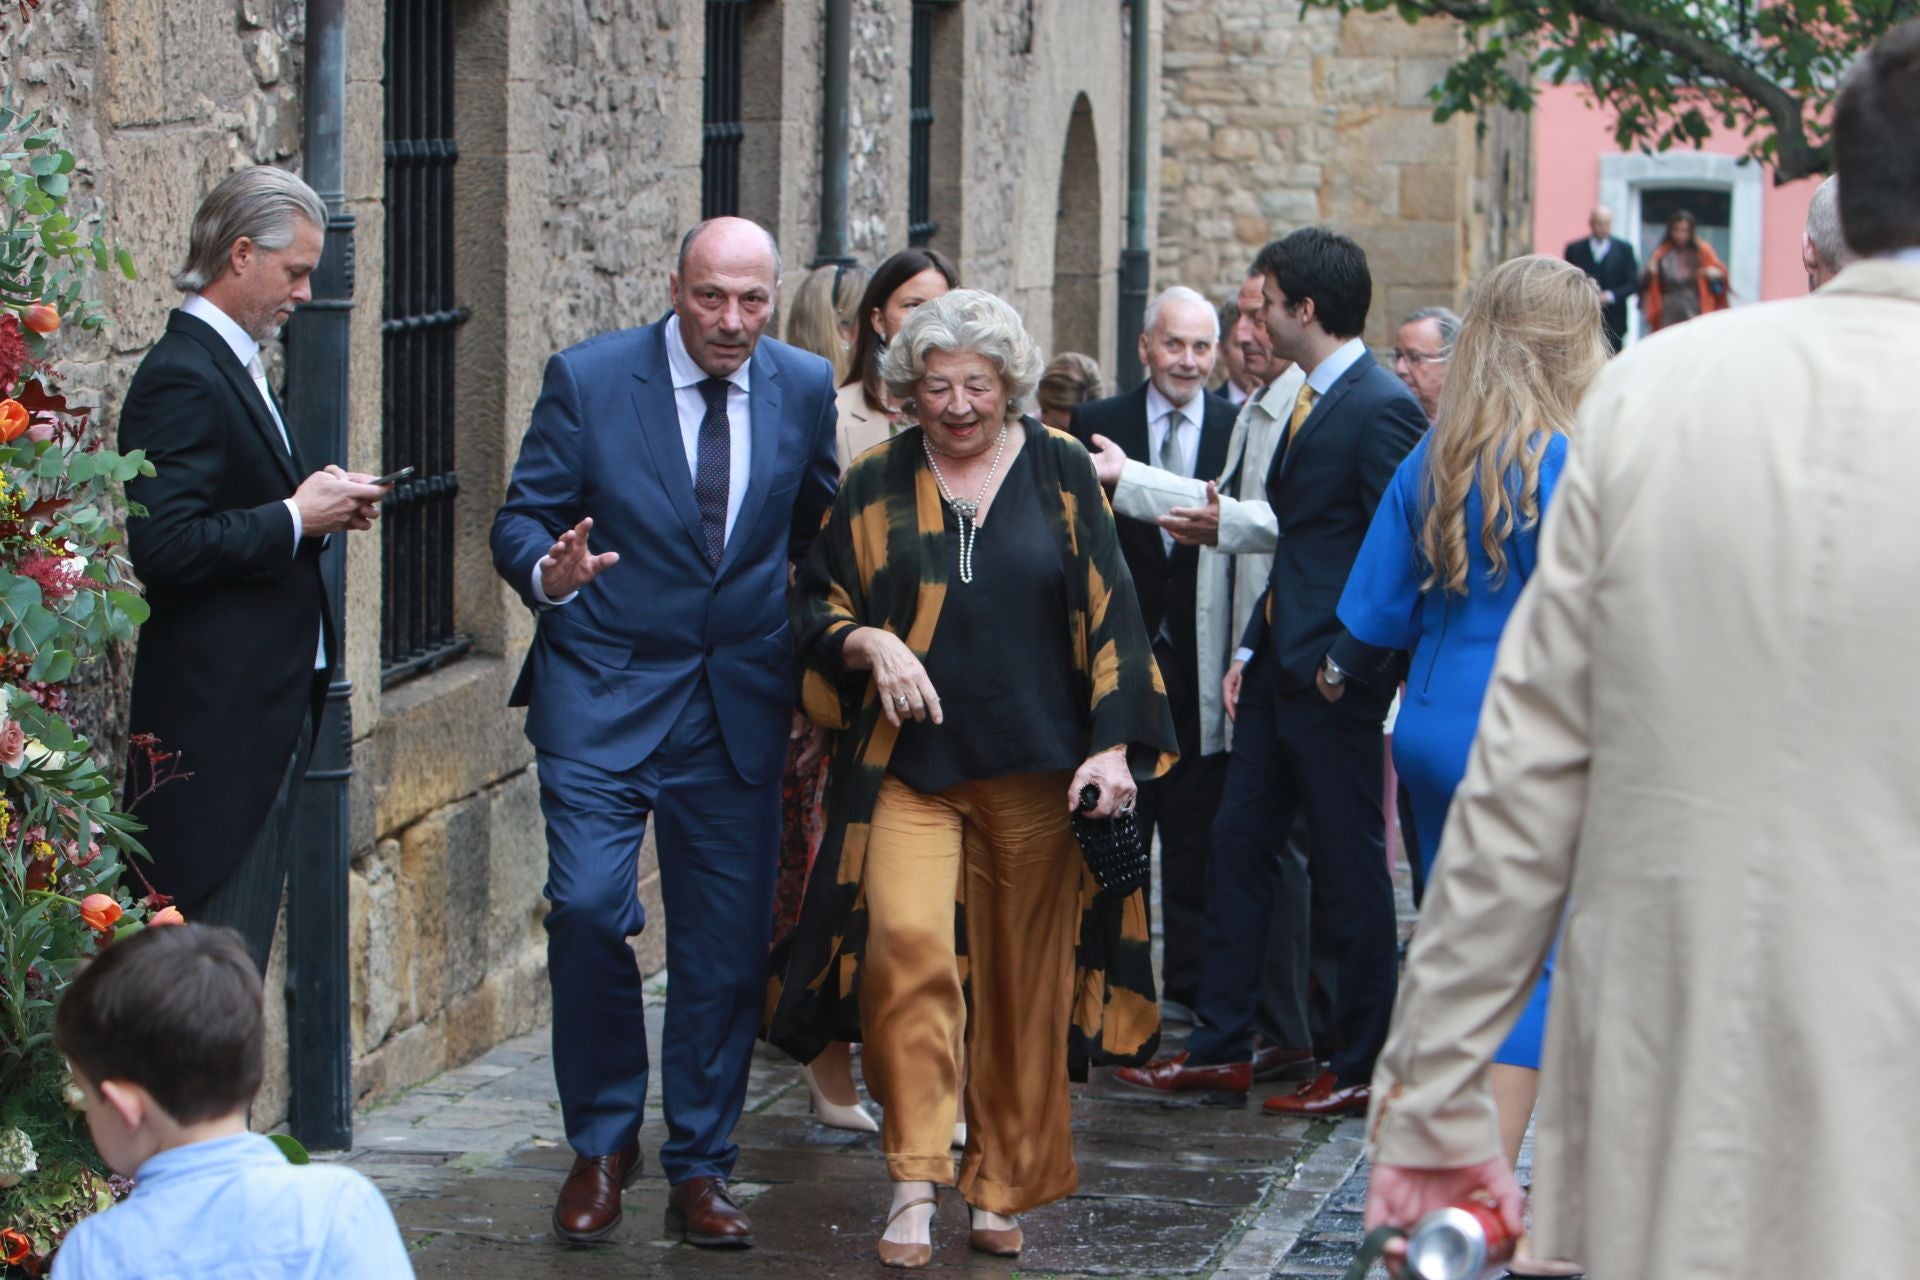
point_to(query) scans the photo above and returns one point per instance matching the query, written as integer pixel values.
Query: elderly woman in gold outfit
(969, 630)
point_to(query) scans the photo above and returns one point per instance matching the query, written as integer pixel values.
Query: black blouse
(999, 659)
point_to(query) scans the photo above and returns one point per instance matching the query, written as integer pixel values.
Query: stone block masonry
(1275, 120)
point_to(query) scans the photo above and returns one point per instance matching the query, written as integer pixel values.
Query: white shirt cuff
(293, 509)
(1243, 654)
(540, 590)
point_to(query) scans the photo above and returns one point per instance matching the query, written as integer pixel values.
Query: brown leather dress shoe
(1271, 1062)
(1173, 1075)
(1322, 1096)
(589, 1206)
(702, 1211)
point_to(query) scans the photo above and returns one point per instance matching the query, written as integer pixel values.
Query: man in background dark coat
(1610, 261)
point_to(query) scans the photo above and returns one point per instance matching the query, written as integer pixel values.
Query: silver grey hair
(1449, 324)
(263, 203)
(1179, 293)
(963, 320)
(1823, 226)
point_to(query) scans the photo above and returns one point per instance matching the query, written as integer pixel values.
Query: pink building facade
(1755, 225)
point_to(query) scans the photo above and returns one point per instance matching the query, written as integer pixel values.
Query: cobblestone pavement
(471, 1162)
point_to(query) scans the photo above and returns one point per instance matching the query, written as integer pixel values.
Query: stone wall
(1275, 120)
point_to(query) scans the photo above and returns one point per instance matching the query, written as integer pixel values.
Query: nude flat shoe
(912, 1254)
(1000, 1243)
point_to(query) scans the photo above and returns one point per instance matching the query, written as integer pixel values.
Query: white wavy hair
(964, 320)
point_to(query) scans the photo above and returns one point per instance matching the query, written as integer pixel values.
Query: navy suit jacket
(1324, 486)
(611, 670)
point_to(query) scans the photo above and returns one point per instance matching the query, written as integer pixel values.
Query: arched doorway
(1076, 239)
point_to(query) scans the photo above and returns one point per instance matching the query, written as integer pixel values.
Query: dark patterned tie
(713, 463)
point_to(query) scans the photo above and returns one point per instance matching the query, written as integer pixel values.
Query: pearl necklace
(968, 511)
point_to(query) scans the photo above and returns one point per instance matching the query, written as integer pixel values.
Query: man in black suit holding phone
(1311, 697)
(1610, 261)
(235, 658)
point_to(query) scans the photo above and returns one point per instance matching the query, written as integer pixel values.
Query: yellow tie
(1302, 406)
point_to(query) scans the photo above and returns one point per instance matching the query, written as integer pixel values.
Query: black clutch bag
(1115, 851)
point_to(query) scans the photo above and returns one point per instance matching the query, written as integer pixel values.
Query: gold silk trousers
(1010, 839)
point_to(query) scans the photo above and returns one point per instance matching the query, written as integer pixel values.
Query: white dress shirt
(1599, 248)
(691, 405)
(247, 351)
(1328, 371)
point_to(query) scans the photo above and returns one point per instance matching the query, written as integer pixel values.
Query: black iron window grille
(418, 316)
(921, 228)
(721, 130)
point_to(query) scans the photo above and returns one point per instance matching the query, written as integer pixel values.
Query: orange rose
(41, 318)
(13, 421)
(165, 916)
(14, 1247)
(99, 911)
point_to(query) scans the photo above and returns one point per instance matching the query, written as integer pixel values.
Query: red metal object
(1459, 1242)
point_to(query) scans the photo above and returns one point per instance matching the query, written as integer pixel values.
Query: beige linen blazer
(1701, 748)
(860, 428)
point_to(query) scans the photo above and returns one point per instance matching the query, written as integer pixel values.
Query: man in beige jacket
(1700, 748)
(1235, 532)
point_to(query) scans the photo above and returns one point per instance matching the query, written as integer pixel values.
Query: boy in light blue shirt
(164, 1033)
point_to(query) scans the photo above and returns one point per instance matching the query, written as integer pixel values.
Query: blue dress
(1452, 639)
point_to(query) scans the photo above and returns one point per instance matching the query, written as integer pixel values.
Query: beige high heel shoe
(1000, 1242)
(913, 1254)
(837, 1115)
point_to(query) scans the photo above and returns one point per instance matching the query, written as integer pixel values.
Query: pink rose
(13, 744)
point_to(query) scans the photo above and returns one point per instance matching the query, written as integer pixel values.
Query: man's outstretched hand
(569, 566)
(1196, 526)
(1109, 460)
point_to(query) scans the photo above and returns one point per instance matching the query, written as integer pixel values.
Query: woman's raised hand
(905, 691)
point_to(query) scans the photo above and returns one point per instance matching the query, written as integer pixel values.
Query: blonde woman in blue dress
(1453, 542)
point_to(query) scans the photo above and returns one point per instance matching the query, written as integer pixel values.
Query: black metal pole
(833, 135)
(1135, 260)
(320, 1063)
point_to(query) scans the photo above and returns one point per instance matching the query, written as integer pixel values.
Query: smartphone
(393, 477)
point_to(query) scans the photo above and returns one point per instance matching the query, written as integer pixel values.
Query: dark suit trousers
(718, 839)
(1293, 749)
(248, 900)
(1181, 805)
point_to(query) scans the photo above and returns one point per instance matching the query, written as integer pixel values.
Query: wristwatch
(1330, 671)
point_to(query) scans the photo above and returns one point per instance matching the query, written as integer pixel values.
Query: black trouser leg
(1334, 754)
(248, 899)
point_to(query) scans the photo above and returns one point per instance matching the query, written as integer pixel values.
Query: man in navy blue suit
(669, 475)
(1310, 698)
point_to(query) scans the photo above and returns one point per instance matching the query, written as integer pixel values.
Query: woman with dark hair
(1683, 277)
(898, 285)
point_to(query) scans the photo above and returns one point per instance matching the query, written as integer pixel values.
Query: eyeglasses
(1417, 358)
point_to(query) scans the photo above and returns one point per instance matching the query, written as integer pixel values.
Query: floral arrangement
(66, 849)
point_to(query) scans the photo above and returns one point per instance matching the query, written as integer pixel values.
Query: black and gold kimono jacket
(882, 561)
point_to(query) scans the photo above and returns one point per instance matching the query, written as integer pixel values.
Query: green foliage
(1670, 69)
(66, 597)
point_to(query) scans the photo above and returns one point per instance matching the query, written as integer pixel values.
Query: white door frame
(1623, 176)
